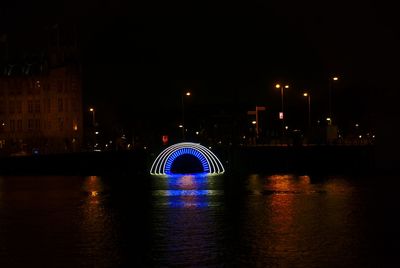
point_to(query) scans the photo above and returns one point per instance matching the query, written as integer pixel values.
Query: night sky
(138, 58)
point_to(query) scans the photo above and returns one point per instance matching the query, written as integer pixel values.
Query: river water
(254, 220)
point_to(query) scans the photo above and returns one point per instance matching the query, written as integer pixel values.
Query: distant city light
(357, 125)
(97, 133)
(197, 133)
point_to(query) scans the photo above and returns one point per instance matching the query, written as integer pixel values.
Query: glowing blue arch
(163, 163)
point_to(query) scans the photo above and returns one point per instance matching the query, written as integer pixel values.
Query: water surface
(257, 220)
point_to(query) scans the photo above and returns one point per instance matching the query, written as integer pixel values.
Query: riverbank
(320, 159)
(85, 163)
(265, 159)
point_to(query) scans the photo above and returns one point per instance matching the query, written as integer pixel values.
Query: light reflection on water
(278, 220)
(98, 230)
(185, 211)
(186, 191)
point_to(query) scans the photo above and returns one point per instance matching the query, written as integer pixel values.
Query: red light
(165, 139)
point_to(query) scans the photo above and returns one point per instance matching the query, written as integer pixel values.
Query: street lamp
(281, 87)
(308, 95)
(332, 80)
(187, 93)
(91, 109)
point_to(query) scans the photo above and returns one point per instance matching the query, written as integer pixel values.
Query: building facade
(42, 112)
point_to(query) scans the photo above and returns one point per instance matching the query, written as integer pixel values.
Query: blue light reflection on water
(185, 209)
(187, 190)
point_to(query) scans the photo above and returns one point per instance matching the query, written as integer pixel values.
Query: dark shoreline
(302, 160)
(85, 163)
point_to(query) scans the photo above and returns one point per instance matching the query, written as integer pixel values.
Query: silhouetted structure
(40, 101)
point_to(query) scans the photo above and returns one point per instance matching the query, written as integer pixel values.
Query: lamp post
(335, 78)
(282, 87)
(187, 93)
(308, 95)
(91, 109)
(256, 122)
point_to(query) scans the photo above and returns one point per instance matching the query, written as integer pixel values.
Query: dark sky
(140, 56)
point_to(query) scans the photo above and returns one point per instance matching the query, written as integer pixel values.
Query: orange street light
(334, 79)
(281, 87)
(91, 109)
(308, 95)
(187, 93)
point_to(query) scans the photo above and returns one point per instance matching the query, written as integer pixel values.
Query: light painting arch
(163, 163)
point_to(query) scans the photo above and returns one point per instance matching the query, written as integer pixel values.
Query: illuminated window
(18, 90)
(30, 87)
(37, 124)
(60, 86)
(2, 107)
(60, 123)
(19, 124)
(66, 105)
(30, 124)
(11, 91)
(37, 106)
(30, 106)
(12, 125)
(48, 105)
(18, 106)
(2, 87)
(11, 107)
